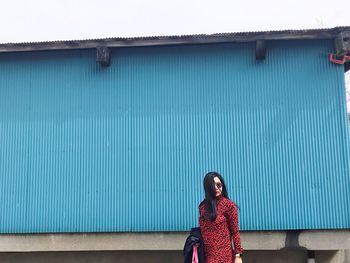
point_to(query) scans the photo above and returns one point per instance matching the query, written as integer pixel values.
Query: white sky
(47, 20)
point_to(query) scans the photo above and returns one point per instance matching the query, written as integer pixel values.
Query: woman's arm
(232, 217)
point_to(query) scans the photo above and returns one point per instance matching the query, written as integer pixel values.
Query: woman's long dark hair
(209, 189)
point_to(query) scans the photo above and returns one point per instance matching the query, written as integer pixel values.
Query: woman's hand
(238, 260)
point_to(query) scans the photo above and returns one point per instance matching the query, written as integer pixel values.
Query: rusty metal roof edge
(175, 40)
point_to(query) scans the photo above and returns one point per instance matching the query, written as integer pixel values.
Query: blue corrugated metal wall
(125, 148)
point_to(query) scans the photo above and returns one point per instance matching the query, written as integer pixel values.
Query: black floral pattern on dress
(219, 234)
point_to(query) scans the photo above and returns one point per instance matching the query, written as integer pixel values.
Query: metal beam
(174, 40)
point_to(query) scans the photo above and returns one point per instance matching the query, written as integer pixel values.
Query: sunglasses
(218, 185)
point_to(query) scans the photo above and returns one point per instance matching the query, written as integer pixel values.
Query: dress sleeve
(232, 218)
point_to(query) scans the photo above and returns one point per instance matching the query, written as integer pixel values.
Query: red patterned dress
(219, 234)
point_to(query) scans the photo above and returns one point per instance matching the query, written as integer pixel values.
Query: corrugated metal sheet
(125, 148)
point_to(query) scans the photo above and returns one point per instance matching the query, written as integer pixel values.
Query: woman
(218, 220)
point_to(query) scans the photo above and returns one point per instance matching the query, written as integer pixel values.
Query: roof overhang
(175, 40)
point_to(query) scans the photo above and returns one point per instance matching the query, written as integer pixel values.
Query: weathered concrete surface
(325, 239)
(257, 256)
(263, 240)
(340, 256)
(93, 257)
(251, 240)
(141, 256)
(92, 241)
(285, 256)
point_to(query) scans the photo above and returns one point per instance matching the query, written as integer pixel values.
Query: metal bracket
(342, 44)
(103, 56)
(260, 50)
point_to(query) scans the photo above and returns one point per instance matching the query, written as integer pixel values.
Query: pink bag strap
(195, 254)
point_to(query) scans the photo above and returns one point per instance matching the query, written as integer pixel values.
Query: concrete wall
(171, 241)
(141, 256)
(340, 256)
(328, 246)
(161, 256)
(92, 257)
